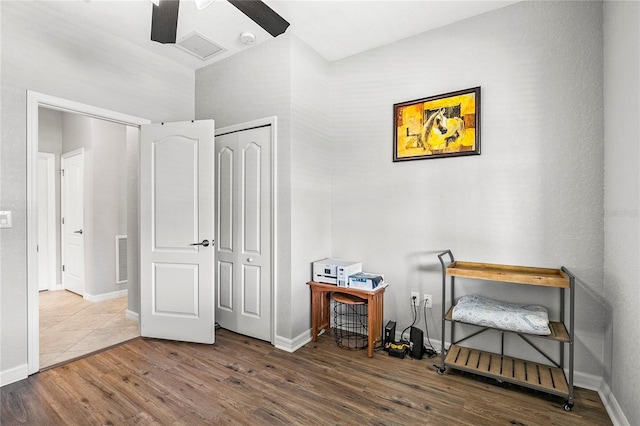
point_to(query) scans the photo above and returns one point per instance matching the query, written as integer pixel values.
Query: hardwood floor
(246, 381)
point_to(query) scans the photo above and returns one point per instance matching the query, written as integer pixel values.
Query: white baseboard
(585, 380)
(105, 296)
(132, 315)
(13, 375)
(611, 405)
(292, 345)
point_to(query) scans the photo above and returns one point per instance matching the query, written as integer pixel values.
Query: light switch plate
(5, 219)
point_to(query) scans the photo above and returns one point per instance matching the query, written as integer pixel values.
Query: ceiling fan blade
(164, 21)
(262, 15)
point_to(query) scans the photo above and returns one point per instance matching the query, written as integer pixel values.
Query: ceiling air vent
(199, 46)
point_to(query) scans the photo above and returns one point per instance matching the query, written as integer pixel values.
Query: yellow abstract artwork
(439, 126)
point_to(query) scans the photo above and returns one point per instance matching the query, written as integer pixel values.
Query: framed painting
(439, 126)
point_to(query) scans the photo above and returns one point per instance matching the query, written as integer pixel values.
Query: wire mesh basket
(350, 316)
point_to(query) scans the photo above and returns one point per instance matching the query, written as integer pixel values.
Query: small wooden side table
(321, 301)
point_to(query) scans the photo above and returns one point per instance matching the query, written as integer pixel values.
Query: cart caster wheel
(441, 370)
(567, 406)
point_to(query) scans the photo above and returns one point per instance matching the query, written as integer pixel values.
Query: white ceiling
(334, 28)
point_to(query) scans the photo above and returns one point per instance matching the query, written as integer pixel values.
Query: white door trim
(34, 101)
(262, 122)
(51, 219)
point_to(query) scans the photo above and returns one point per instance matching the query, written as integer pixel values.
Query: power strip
(398, 350)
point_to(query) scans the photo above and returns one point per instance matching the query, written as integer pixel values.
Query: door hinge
(63, 220)
(62, 172)
(62, 268)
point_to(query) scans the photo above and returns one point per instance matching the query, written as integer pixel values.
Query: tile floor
(71, 326)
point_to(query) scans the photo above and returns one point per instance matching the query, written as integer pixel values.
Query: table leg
(315, 299)
(380, 316)
(326, 311)
(371, 321)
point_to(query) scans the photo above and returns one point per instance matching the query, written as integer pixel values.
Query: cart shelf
(558, 330)
(511, 274)
(543, 377)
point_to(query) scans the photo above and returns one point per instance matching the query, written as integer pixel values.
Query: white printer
(335, 271)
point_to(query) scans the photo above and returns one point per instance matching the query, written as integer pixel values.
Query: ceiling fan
(164, 18)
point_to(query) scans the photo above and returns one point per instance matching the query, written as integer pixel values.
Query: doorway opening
(89, 123)
(82, 243)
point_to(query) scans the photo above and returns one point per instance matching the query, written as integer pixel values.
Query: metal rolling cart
(543, 377)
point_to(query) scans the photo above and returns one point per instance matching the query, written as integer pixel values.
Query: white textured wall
(109, 207)
(311, 158)
(133, 233)
(250, 85)
(535, 195)
(622, 202)
(44, 52)
(285, 78)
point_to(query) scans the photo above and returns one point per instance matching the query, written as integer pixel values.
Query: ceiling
(334, 28)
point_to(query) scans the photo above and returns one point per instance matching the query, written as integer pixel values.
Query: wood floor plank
(244, 381)
(23, 405)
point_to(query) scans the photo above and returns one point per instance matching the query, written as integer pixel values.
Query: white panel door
(243, 221)
(72, 193)
(176, 231)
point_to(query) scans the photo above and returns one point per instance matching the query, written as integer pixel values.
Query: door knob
(249, 259)
(78, 232)
(204, 243)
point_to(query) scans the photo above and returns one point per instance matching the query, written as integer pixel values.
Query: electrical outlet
(428, 301)
(415, 298)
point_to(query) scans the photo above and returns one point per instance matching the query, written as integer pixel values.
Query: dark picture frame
(440, 126)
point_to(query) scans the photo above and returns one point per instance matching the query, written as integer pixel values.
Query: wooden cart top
(511, 274)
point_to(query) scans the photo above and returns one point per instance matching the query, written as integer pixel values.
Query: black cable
(415, 318)
(426, 326)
